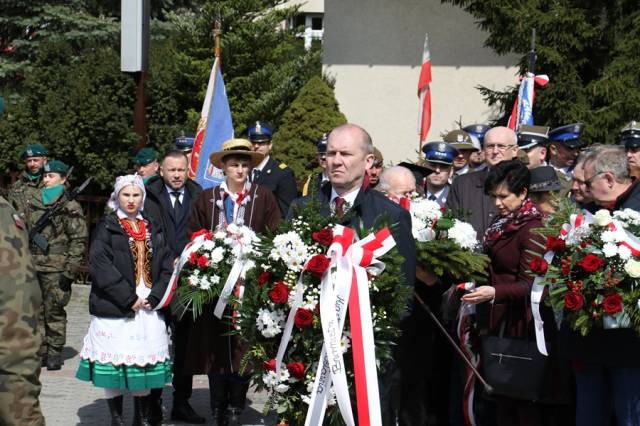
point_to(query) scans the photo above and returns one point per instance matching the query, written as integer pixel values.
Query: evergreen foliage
(315, 111)
(589, 49)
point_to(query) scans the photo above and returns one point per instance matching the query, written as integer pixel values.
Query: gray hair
(387, 176)
(608, 158)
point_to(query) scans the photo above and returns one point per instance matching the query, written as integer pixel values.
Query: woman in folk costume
(210, 348)
(127, 346)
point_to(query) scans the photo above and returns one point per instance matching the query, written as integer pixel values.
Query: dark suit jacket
(372, 208)
(279, 179)
(467, 195)
(159, 206)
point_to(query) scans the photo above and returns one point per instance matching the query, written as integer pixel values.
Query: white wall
(373, 48)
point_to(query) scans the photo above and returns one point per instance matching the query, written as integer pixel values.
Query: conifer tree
(314, 111)
(589, 49)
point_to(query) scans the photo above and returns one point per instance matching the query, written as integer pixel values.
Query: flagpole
(217, 34)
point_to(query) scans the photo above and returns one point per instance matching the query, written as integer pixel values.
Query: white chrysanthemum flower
(291, 250)
(208, 245)
(220, 235)
(609, 249)
(463, 234)
(270, 323)
(624, 252)
(608, 236)
(216, 256)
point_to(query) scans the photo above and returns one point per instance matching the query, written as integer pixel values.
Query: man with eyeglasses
(607, 380)
(630, 139)
(467, 191)
(565, 146)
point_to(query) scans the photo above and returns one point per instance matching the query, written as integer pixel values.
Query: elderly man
(607, 380)
(398, 183)
(467, 191)
(579, 192)
(349, 155)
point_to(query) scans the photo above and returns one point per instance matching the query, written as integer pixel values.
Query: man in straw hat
(210, 349)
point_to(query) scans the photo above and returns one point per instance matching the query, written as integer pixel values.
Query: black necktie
(432, 197)
(255, 174)
(339, 206)
(177, 205)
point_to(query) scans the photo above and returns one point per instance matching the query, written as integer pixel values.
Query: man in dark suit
(349, 155)
(467, 191)
(270, 173)
(168, 203)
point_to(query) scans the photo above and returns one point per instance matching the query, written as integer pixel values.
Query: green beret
(56, 166)
(35, 150)
(145, 156)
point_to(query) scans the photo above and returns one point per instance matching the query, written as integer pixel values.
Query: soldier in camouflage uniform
(66, 235)
(20, 302)
(29, 182)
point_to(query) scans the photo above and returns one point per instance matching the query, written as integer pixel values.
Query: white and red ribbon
(350, 290)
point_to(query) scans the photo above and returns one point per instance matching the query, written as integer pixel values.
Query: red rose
(555, 244)
(296, 369)
(612, 303)
(573, 301)
(591, 263)
(193, 258)
(539, 266)
(264, 278)
(318, 264)
(203, 261)
(269, 365)
(303, 318)
(323, 237)
(207, 234)
(279, 293)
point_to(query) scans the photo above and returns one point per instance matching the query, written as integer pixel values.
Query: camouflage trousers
(52, 321)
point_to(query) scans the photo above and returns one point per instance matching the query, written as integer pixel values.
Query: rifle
(34, 234)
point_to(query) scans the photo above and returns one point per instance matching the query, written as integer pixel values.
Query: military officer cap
(532, 136)
(321, 146)
(439, 152)
(568, 135)
(477, 130)
(260, 132)
(145, 156)
(184, 143)
(35, 150)
(460, 140)
(543, 179)
(630, 136)
(56, 166)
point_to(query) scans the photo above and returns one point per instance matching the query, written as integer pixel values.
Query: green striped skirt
(131, 377)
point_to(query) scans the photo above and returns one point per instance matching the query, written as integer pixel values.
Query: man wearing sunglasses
(630, 139)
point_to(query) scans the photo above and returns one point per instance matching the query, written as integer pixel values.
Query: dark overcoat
(467, 197)
(279, 179)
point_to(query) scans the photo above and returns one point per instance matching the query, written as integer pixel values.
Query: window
(316, 23)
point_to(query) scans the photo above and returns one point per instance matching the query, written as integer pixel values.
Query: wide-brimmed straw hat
(236, 147)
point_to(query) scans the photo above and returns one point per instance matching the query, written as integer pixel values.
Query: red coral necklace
(140, 234)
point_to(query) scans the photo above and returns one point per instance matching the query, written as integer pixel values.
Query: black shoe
(234, 416)
(140, 411)
(115, 409)
(220, 417)
(54, 362)
(154, 407)
(183, 412)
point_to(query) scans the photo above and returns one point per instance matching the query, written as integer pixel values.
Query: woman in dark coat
(210, 349)
(127, 346)
(510, 243)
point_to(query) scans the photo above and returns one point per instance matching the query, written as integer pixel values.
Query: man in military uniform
(533, 141)
(185, 144)
(30, 180)
(462, 142)
(270, 173)
(630, 139)
(439, 157)
(315, 180)
(376, 168)
(477, 132)
(56, 267)
(565, 146)
(146, 163)
(20, 301)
